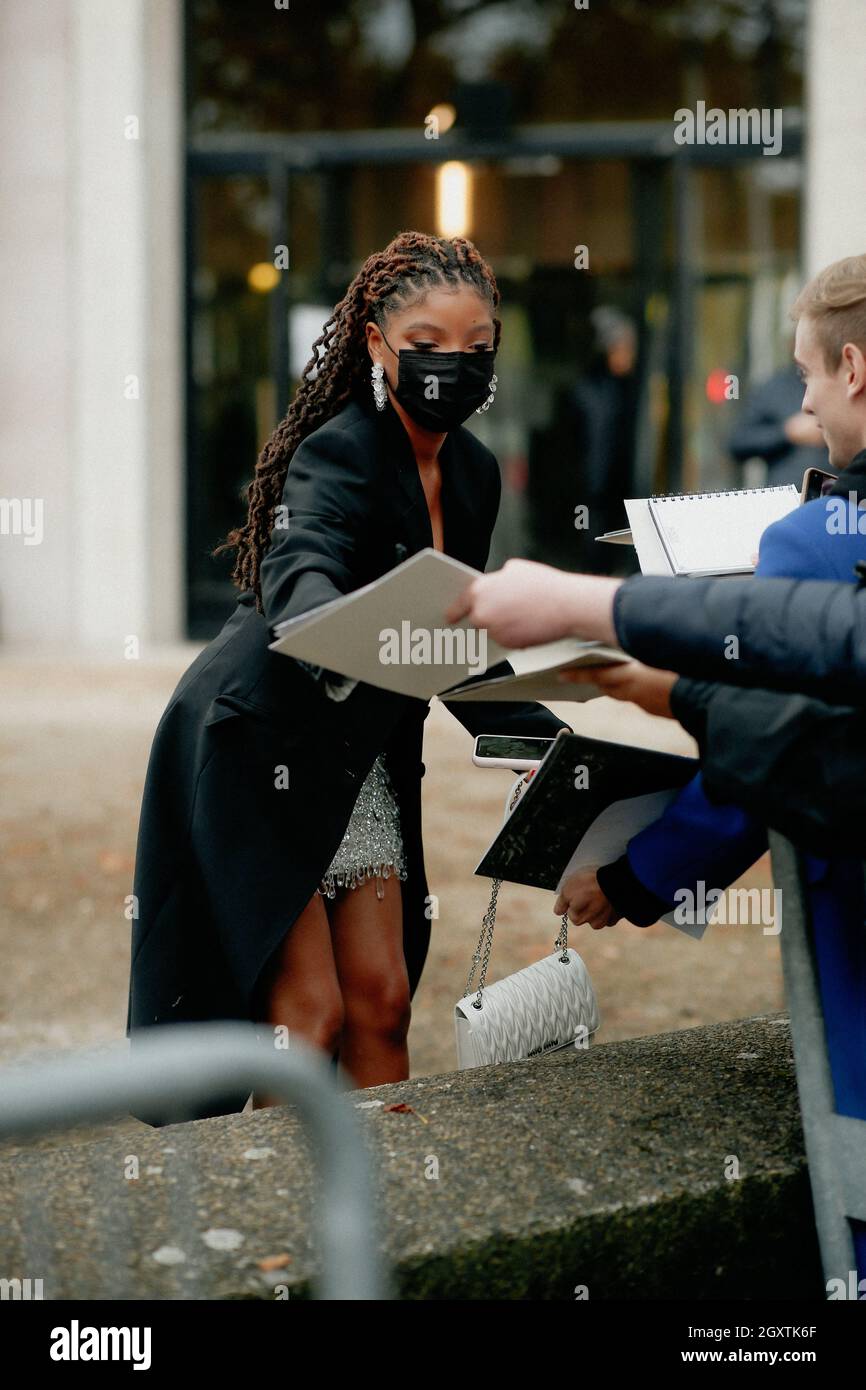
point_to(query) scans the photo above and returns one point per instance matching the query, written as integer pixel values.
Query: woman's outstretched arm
(320, 527)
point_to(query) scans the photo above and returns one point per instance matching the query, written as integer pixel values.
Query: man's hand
(525, 604)
(642, 685)
(803, 429)
(583, 900)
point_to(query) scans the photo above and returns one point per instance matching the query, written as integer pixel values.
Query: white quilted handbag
(547, 1006)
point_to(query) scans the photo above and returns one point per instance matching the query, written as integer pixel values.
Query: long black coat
(227, 855)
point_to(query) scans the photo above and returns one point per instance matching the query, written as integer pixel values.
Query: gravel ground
(75, 737)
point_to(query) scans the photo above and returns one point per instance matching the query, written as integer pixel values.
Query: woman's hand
(583, 900)
(642, 685)
(526, 603)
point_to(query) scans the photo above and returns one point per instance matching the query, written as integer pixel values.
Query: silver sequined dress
(372, 845)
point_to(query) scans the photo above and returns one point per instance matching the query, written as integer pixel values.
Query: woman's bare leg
(299, 987)
(367, 938)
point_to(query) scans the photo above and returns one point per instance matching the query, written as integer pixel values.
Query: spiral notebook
(706, 533)
(563, 823)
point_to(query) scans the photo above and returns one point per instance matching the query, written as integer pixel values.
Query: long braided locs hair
(408, 268)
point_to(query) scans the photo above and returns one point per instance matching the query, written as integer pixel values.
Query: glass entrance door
(631, 289)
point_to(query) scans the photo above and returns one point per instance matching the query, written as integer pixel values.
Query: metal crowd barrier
(181, 1065)
(835, 1144)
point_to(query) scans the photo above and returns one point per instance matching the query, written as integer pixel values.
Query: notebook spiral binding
(730, 492)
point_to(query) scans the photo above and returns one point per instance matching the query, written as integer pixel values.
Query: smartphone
(813, 483)
(502, 750)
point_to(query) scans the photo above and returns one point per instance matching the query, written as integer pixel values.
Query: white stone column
(35, 370)
(91, 257)
(835, 224)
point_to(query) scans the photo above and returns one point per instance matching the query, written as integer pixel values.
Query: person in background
(773, 426)
(603, 406)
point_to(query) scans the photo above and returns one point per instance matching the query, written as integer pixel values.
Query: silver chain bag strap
(545, 1007)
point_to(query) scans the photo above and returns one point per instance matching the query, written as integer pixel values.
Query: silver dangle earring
(380, 395)
(479, 410)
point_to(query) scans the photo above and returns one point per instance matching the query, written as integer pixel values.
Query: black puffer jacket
(806, 635)
(796, 762)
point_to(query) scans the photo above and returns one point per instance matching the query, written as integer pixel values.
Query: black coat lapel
(464, 520)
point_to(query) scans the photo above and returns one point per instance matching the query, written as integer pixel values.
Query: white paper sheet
(650, 551)
(345, 635)
(607, 839)
(535, 671)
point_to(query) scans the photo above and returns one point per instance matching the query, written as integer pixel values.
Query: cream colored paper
(608, 836)
(346, 636)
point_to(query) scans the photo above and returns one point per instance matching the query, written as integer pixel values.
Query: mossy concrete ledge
(669, 1166)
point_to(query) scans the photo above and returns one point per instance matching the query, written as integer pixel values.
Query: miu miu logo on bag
(554, 1042)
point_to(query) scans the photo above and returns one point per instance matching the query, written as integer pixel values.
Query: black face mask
(441, 389)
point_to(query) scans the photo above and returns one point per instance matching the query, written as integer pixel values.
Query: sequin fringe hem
(331, 882)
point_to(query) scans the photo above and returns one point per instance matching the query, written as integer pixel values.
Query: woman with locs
(279, 870)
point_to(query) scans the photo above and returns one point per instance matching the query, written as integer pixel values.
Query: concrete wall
(91, 267)
(835, 219)
(667, 1167)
